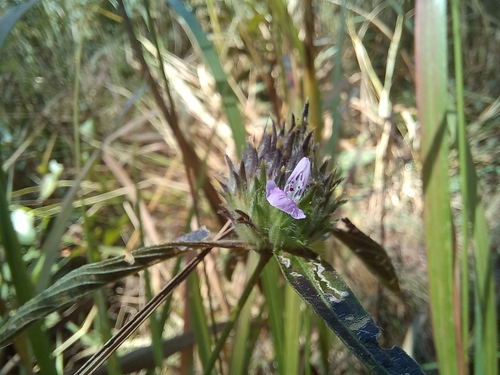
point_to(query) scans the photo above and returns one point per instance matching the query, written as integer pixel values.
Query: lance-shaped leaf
(86, 279)
(326, 292)
(9, 19)
(370, 252)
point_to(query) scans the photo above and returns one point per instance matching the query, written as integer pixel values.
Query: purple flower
(287, 200)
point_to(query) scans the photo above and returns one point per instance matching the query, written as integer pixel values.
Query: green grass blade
(22, 283)
(9, 19)
(485, 325)
(198, 318)
(331, 149)
(311, 86)
(307, 343)
(241, 351)
(229, 100)
(473, 216)
(275, 306)
(263, 260)
(431, 81)
(286, 27)
(291, 332)
(464, 178)
(486, 330)
(88, 278)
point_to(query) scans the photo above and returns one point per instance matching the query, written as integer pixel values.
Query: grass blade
(9, 19)
(241, 349)
(275, 306)
(91, 277)
(473, 216)
(198, 318)
(263, 260)
(331, 148)
(51, 244)
(292, 320)
(229, 100)
(431, 81)
(22, 283)
(311, 86)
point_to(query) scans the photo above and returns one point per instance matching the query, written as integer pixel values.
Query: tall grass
(218, 73)
(431, 88)
(450, 313)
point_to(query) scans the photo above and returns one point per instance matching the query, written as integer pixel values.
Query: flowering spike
(275, 175)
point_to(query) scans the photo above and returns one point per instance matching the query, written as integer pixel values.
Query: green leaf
(329, 296)
(243, 342)
(292, 328)
(20, 278)
(431, 60)
(370, 252)
(10, 18)
(275, 305)
(486, 330)
(88, 278)
(473, 217)
(198, 318)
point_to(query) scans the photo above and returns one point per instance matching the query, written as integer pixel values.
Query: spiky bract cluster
(264, 227)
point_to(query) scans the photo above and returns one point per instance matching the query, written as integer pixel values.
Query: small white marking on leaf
(284, 261)
(332, 299)
(357, 324)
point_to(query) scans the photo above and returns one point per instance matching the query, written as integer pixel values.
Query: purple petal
(297, 182)
(277, 198)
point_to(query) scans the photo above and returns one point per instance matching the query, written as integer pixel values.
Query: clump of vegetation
(114, 129)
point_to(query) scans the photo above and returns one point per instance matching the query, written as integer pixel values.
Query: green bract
(263, 226)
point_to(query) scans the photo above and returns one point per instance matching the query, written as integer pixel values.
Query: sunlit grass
(237, 70)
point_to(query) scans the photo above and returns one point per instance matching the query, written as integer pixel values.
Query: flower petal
(297, 182)
(277, 198)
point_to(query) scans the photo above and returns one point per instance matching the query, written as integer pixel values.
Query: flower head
(287, 200)
(278, 197)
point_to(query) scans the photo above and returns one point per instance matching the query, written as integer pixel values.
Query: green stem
(76, 109)
(264, 259)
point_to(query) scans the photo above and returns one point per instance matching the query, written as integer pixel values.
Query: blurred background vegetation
(70, 79)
